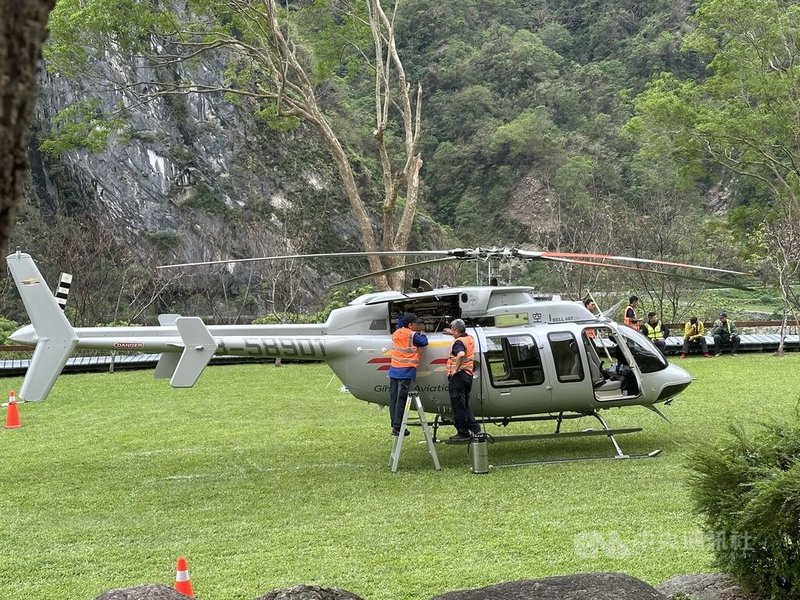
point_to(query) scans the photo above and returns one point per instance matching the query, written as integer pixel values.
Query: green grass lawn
(266, 477)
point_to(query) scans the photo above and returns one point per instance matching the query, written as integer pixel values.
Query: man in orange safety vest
(406, 342)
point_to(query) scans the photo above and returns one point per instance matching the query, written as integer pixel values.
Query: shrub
(332, 300)
(7, 327)
(748, 490)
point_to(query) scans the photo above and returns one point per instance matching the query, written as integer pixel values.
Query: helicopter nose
(677, 380)
(25, 335)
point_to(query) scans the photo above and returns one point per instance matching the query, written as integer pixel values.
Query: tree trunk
(23, 24)
(780, 351)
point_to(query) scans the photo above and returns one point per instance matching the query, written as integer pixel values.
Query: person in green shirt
(724, 332)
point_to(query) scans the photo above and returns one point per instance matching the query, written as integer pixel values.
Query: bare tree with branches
(270, 67)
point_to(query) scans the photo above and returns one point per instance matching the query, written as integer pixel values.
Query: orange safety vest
(468, 362)
(627, 321)
(404, 353)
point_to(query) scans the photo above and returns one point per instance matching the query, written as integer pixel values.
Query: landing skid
(547, 461)
(604, 431)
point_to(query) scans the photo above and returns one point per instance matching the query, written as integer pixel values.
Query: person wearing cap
(460, 365)
(724, 332)
(407, 339)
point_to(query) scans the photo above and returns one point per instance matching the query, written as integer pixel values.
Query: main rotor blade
(398, 268)
(716, 282)
(649, 261)
(291, 256)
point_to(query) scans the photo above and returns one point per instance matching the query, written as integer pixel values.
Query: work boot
(683, 355)
(460, 438)
(396, 432)
(706, 354)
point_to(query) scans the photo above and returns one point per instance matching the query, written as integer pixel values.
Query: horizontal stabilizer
(198, 349)
(166, 365)
(48, 359)
(167, 319)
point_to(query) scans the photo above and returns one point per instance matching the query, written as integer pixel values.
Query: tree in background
(662, 221)
(282, 67)
(24, 27)
(744, 117)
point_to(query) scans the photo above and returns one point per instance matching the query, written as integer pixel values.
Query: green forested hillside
(536, 87)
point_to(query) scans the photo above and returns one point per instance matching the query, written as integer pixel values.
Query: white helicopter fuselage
(532, 357)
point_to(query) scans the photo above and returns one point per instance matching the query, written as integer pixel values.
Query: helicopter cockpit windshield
(644, 352)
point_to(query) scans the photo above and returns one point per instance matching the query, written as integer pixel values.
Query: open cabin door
(613, 370)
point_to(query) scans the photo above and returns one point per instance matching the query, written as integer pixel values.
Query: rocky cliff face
(189, 177)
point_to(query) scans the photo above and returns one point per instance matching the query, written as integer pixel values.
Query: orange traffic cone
(12, 415)
(182, 583)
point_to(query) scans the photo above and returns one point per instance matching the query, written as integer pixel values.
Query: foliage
(164, 239)
(530, 135)
(80, 30)
(82, 125)
(331, 301)
(743, 116)
(7, 327)
(747, 488)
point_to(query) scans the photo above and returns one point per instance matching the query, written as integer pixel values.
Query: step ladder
(413, 401)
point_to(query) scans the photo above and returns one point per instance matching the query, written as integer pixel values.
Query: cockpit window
(644, 352)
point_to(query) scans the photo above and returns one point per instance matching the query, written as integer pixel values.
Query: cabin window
(566, 356)
(513, 361)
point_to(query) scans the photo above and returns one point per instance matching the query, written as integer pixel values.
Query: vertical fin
(56, 338)
(199, 347)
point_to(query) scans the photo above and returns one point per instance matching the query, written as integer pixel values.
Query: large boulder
(149, 591)
(705, 587)
(594, 586)
(309, 592)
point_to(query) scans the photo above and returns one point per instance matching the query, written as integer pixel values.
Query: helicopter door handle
(548, 387)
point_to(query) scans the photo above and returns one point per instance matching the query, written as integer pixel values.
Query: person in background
(724, 331)
(406, 342)
(694, 332)
(629, 317)
(656, 332)
(459, 378)
(590, 305)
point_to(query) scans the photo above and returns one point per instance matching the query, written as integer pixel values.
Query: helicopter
(536, 358)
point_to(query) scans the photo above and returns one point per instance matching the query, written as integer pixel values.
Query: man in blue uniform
(406, 342)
